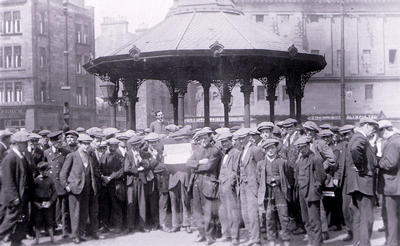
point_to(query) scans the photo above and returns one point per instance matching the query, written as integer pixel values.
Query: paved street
(158, 238)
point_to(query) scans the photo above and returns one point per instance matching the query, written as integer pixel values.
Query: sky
(139, 13)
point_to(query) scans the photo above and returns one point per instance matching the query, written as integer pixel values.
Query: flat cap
(147, 130)
(302, 140)
(152, 137)
(384, 124)
(5, 133)
(103, 144)
(72, 132)
(55, 134)
(222, 130)
(92, 130)
(269, 142)
(84, 138)
(335, 129)
(44, 133)
(325, 133)
(366, 120)
(80, 129)
(20, 137)
(202, 132)
(276, 130)
(241, 133)
(265, 125)
(34, 136)
(311, 125)
(135, 140)
(234, 128)
(171, 128)
(224, 136)
(279, 124)
(184, 132)
(43, 166)
(122, 136)
(110, 131)
(289, 122)
(129, 133)
(325, 126)
(345, 129)
(113, 141)
(254, 131)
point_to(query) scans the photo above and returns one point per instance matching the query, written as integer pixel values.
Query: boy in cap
(45, 195)
(310, 176)
(229, 210)
(17, 183)
(273, 191)
(360, 181)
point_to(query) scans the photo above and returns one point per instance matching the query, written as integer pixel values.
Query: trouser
(180, 205)
(229, 211)
(277, 203)
(110, 207)
(249, 205)
(14, 222)
(84, 211)
(384, 215)
(202, 211)
(131, 197)
(324, 218)
(62, 213)
(347, 212)
(163, 208)
(145, 196)
(310, 212)
(363, 218)
(393, 215)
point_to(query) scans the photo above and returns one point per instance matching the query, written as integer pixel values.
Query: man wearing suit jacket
(229, 210)
(15, 194)
(310, 176)
(248, 183)
(389, 180)
(361, 180)
(55, 156)
(79, 176)
(205, 164)
(4, 146)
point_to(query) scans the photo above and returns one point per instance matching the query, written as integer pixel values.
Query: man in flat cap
(158, 126)
(113, 192)
(310, 176)
(44, 141)
(229, 209)
(340, 176)
(248, 186)
(80, 177)
(55, 157)
(389, 180)
(71, 138)
(5, 136)
(273, 191)
(205, 164)
(17, 183)
(360, 181)
(34, 153)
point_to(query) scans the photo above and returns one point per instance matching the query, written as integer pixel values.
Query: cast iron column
(181, 90)
(174, 101)
(298, 108)
(291, 91)
(246, 89)
(272, 82)
(206, 90)
(132, 89)
(114, 115)
(226, 100)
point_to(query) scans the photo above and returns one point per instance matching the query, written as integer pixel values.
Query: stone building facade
(41, 56)
(372, 74)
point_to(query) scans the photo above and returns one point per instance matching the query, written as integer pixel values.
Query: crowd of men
(273, 180)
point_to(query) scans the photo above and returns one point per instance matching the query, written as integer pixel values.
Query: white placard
(177, 153)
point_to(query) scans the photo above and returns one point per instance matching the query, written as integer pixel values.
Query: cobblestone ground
(159, 238)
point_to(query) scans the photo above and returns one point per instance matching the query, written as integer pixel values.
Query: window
(1, 22)
(285, 96)
(366, 58)
(78, 64)
(41, 23)
(314, 18)
(18, 92)
(9, 92)
(43, 92)
(42, 58)
(17, 56)
(17, 21)
(369, 92)
(284, 18)
(86, 97)
(1, 57)
(85, 34)
(392, 56)
(78, 33)
(85, 60)
(1, 93)
(79, 95)
(8, 56)
(339, 58)
(315, 52)
(260, 93)
(259, 18)
(7, 22)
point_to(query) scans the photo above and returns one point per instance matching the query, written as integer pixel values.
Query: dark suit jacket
(361, 162)
(56, 162)
(17, 179)
(389, 173)
(73, 174)
(248, 167)
(340, 152)
(229, 170)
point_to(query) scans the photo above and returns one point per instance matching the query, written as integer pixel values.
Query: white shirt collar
(17, 152)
